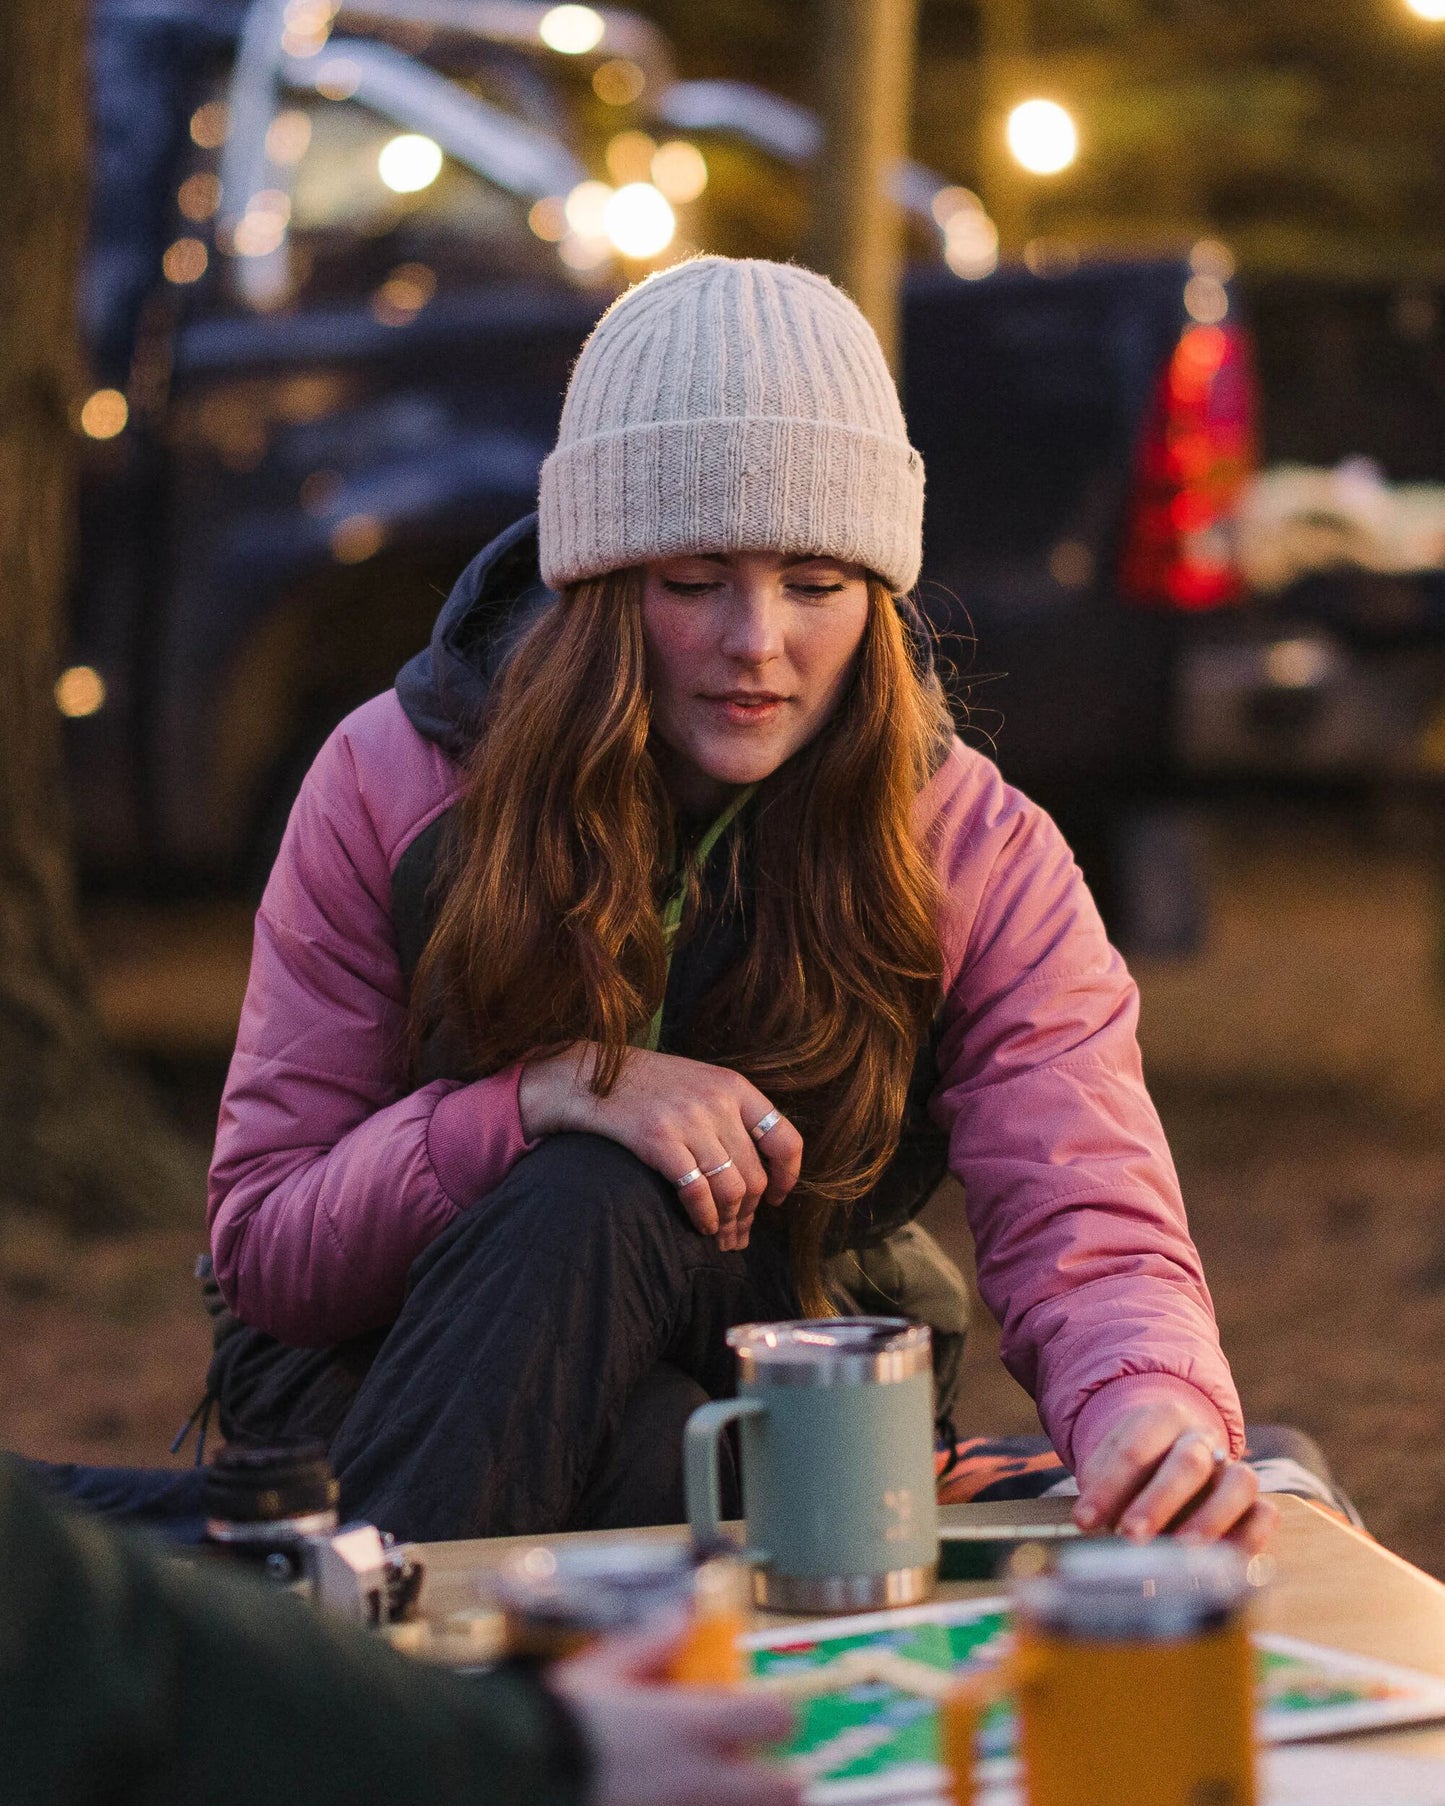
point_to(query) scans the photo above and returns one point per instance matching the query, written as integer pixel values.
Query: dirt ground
(1296, 1065)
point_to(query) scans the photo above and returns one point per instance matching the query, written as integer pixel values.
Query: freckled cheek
(675, 648)
(824, 664)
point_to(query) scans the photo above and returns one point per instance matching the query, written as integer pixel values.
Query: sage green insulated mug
(835, 1419)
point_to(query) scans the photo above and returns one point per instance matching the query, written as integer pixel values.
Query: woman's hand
(1157, 1469)
(676, 1115)
(654, 1745)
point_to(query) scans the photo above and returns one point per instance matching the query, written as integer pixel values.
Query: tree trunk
(865, 70)
(82, 1142)
(1006, 40)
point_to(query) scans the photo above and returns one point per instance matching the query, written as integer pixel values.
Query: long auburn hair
(549, 926)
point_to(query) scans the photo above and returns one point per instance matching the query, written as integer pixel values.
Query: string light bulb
(1042, 136)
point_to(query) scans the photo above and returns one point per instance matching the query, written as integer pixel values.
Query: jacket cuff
(522, 1743)
(1101, 1408)
(475, 1136)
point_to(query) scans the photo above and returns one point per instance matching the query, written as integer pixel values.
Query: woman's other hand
(655, 1745)
(678, 1116)
(1158, 1469)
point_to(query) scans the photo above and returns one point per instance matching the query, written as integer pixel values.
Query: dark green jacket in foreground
(127, 1678)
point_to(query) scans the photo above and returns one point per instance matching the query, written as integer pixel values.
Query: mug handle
(959, 1715)
(700, 1463)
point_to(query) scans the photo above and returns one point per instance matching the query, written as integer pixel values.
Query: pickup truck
(317, 395)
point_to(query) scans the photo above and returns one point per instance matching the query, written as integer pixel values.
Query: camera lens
(261, 1503)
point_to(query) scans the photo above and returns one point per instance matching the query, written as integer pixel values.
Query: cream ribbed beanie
(729, 405)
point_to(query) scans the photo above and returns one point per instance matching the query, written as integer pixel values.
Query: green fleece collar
(672, 910)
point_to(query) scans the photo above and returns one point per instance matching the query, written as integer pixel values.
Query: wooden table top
(1332, 1585)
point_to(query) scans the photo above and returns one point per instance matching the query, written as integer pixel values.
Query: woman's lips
(739, 710)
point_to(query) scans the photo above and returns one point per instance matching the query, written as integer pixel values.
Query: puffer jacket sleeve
(330, 1175)
(1084, 1254)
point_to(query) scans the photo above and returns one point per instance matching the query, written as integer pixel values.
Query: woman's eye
(676, 586)
(816, 589)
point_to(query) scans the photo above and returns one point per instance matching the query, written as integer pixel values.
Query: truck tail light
(1197, 452)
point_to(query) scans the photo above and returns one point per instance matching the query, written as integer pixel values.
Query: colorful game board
(874, 1735)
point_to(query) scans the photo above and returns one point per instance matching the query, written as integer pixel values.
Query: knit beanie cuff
(743, 483)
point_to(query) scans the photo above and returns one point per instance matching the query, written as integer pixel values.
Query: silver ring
(690, 1177)
(764, 1123)
(711, 1172)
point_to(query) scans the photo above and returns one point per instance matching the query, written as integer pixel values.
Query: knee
(592, 1167)
(584, 1186)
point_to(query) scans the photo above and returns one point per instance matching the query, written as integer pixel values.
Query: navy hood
(497, 597)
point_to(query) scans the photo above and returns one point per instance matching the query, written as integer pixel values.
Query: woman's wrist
(546, 1092)
(1103, 1408)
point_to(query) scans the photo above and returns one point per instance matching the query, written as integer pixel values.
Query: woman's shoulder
(968, 810)
(377, 775)
(996, 853)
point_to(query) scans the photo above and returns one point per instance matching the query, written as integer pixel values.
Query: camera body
(275, 1510)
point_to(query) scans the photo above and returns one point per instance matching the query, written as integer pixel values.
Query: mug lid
(1109, 1589)
(808, 1339)
(820, 1350)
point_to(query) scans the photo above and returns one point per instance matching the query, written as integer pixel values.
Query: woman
(716, 913)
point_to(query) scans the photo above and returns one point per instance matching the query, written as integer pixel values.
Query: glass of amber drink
(1133, 1675)
(556, 1601)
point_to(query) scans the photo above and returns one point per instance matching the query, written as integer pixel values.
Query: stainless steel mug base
(845, 1593)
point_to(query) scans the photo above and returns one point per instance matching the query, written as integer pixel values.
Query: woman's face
(747, 656)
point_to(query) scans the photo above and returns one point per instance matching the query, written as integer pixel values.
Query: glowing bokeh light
(970, 244)
(409, 163)
(679, 171)
(1431, 11)
(208, 125)
(104, 414)
(639, 220)
(618, 82)
(262, 227)
(184, 261)
(950, 201)
(288, 136)
(587, 256)
(571, 30)
(1211, 257)
(404, 294)
(199, 196)
(357, 538)
(548, 218)
(629, 157)
(1206, 300)
(306, 25)
(1298, 664)
(586, 209)
(79, 692)
(338, 78)
(1042, 137)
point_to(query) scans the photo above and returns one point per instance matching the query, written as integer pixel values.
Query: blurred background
(1163, 282)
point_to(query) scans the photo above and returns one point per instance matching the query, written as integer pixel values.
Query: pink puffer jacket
(330, 1176)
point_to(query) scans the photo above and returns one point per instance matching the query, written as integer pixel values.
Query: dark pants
(552, 1343)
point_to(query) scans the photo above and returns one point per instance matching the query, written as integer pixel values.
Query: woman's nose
(754, 631)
